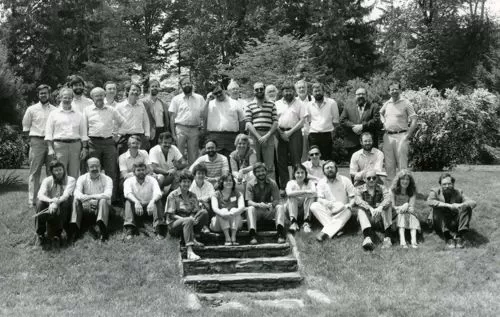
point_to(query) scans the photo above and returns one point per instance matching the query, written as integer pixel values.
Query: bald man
(362, 116)
(92, 199)
(99, 120)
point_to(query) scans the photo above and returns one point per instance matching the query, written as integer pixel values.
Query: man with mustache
(291, 116)
(451, 211)
(216, 164)
(79, 102)
(186, 114)
(262, 122)
(368, 158)
(136, 118)
(66, 134)
(54, 204)
(157, 112)
(360, 117)
(92, 198)
(34, 121)
(323, 118)
(336, 197)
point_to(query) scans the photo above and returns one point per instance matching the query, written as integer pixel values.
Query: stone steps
(240, 265)
(241, 251)
(243, 282)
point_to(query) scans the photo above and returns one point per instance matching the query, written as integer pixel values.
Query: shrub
(452, 129)
(13, 149)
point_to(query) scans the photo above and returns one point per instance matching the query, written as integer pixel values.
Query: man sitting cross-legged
(451, 211)
(335, 200)
(263, 197)
(185, 215)
(374, 208)
(54, 203)
(92, 197)
(142, 195)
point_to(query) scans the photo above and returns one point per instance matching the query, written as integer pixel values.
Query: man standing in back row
(400, 122)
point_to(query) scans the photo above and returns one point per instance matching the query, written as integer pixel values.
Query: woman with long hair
(242, 160)
(301, 193)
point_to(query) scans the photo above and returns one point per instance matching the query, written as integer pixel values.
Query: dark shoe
(129, 233)
(460, 243)
(103, 231)
(321, 237)
(368, 244)
(450, 244)
(40, 240)
(282, 193)
(294, 227)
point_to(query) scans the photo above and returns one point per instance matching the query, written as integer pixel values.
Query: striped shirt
(85, 185)
(216, 168)
(262, 117)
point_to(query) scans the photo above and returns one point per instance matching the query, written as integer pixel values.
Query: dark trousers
(105, 151)
(324, 141)
(225, 141)
(122, 145)
(446, 220)
(288, 149)
(188, 226)
(158, 131)
(53, 224)
(132, 220)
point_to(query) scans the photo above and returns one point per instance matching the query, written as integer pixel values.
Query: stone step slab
(241, 251)
(243, 237)
(240, 265)
(243, 282)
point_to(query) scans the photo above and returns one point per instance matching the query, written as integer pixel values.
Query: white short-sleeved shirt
(323, 116)
(204, 192)
(361, 161)
(65, 124)
(224, 115)
(396, 116)
(187, 109)
(156, 156)
(126, 161)
(290, 113)
(35, 118)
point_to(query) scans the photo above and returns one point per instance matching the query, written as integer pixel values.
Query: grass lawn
(141, 277)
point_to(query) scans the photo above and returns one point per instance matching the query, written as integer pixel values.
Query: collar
(127, 154)
(372, 151)
(105, 107)
(47, 105)
(61, 109)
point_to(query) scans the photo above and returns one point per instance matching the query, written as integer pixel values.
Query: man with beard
(323, 117)
(92, 198)
(223, 120)
(358, 118)
(400, 122)
(100, 121)
(291, 116)
(66, 134)
(143, 198)
(167, 161)
(263, 197)
(111, 90)
(262, 122)
(186, 114)
(136, 118)
(374, 208)
(157, 111)
(79, 102)
(336, 197)
(34, 121)
(54, 204)
(216, 164)
(451, 211)
(368, 158)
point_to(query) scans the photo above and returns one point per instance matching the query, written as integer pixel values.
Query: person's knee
(315, 206)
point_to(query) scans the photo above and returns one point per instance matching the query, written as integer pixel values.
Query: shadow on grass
(473, 238)
(6, 188)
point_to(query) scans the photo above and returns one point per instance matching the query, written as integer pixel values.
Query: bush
(452, 129)
(13, 149)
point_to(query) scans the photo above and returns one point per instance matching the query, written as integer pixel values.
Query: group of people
(144, 154)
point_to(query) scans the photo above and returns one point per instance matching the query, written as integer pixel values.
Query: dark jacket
(370, 120)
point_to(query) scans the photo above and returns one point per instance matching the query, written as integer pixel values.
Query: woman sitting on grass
(227, 204)
(301, 194)
(403, 197)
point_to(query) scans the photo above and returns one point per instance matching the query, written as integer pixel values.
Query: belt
(395, 132)
(263, 129)
(188, 126)
(67, 140)
(37, 137)
(100, 138)
(285, 129)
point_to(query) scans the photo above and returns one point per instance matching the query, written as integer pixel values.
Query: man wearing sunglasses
(314, 165)
(373, 209)
(262, 121)
(223, 120)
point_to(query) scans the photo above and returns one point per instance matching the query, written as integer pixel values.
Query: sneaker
(228, 243)
(129, 233)
(450, 244)
(414, 246)
(387, 243)
(193, 256)
(294, 227)
(368, 244)
(306, 227)
(321, 237)
(281, 240)
(460, 243)
(404, 245)
(253, 241)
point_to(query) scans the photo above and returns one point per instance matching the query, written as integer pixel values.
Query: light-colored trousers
(78, 212)
(188, 138)
(295, 203)
(220, 224)
(395, 149)
(332, 223)
(38, 157)
(258, 214)
(69, 155)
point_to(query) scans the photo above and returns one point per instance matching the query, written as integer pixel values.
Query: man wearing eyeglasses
(223, 120)
(373, 209)
(262, 121)
(314, 165)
